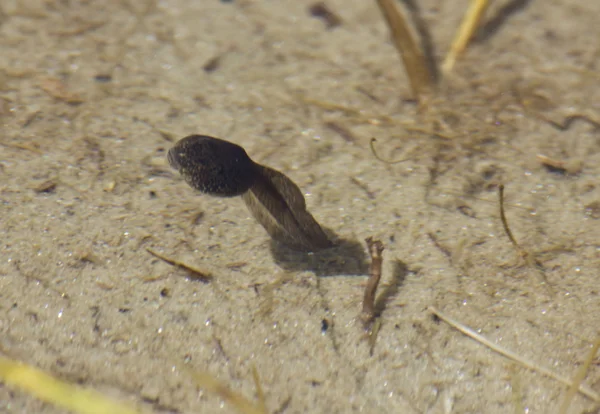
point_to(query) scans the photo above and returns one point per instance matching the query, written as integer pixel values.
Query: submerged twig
(372, 146)
(582, 388)
(527, 257)
(572, 167)
(419, 74)
(196, 273)
(369, 313)
(507, 230)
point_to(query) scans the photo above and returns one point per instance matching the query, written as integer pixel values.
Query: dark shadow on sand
(390, 289)
(492, 26)
(347, 257)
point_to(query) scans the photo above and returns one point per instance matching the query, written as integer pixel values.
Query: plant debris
(342, 131)
(238, 401)
(322, 11)
(58, 90)
(372, 146)
(196, 273)
(527, 257)
(571, 167)
(582, 388)
(368, 314)
(47, 186)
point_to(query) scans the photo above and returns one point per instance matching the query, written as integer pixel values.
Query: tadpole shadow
(493, 25)
(391, 289)
(347, 257)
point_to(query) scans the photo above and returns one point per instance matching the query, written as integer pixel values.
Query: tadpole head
(213, 166)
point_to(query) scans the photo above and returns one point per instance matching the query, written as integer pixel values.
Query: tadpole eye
(173, 158)
(213, 166)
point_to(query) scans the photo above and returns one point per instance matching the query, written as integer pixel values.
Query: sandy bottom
(94, 93)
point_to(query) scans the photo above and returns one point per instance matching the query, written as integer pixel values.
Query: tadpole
(220, 168)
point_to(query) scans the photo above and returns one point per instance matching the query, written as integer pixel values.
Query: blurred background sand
(92, 94)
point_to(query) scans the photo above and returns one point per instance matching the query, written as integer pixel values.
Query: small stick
(342, 131)
(372, 146)
(363, 187)
(564, 167)
(465, 32)
(368, 314)
(582, 388)
(524, 254)
(419, 75)
(197, 273)
(551, 162)
(512, 239)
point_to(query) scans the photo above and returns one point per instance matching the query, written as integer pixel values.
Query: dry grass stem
(377, 119)
(419, 74)
(579, 377)
(465, 32)
(505, 225)
(529, 258)
(199, 274)
(582, 388)
(238, 401)
(372, 146)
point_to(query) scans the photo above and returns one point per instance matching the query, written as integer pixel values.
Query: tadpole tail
(279, 206)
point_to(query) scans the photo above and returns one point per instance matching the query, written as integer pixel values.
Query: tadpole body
(220, 168)
(213, 166)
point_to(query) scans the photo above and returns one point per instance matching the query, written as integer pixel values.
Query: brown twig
(529, 259)
(369, 313)
(196, 273)
(561, 166)
(342, 131)
(512, 239)
(370, 194)
(372, 146)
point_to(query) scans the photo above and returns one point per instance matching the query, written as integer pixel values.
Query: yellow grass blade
(60, 393)
(465, 32)
(238, 401)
